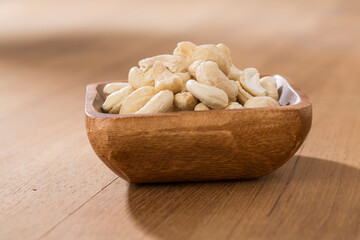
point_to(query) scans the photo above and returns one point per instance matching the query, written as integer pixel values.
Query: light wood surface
(53, 186)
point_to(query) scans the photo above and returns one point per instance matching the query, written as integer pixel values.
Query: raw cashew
(192, 68)
(235, 73)
(137, 99)
(257, 102)
(184, 101)
(183, 76)
(269, 83)
(114, 101)
(250, 81)
(243, 95)
(226, 50)
(234, 85)
(113, 87)
(185, 50)
(161, 102)
(139, 77)
(209, 73)
(210, 52)
(234, 105)
(166, 80)
(172, 62)
(163, 83)
(212, 97)
(201, 107)
(183, 88)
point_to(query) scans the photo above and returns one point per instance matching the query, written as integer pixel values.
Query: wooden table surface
(52, 185)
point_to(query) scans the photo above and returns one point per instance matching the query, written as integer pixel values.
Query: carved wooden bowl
(199, 146)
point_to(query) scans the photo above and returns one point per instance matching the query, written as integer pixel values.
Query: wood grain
(52, 185)
(198, 146)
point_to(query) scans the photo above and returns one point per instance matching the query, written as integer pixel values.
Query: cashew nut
(226, 50)
(250, 81)
(163, 83)
(161, 102)
(183, 88)
(113, 87)
(139, 77)
(201, 107)
(185, 50)
(209, 73)
(114, 101)
(137, 99)
(210, 52)
(269, 83)
(257, 102)
(243, 95)
(235, 73)
(212, 97)
(166, 80)
(183, 76)
(172, 62)
(234, 105)
(192, 68)
(184, 101)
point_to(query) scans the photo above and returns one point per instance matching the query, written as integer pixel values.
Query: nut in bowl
(239, 129)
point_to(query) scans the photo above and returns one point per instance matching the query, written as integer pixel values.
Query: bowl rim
(92, 92)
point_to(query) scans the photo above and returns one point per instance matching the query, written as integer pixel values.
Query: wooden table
(52, 185)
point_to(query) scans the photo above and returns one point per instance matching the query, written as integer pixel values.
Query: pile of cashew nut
(195, 78)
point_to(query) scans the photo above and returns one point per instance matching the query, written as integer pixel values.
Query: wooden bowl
(199, 146)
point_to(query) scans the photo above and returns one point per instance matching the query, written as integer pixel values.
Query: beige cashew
(185, 50)
(114, 101)
(192, 68)
(269, 83)
(257, 102)
(201, 107)
(172, 62)
(209, 73)
(140, 78)
(161, 102)
(226, 50)
(250, 81)
(235, 73)
(113, 87)
(243, 95)
(210, 52)
(137, 99)
(234, 105)
(163, 83)
(183, 88)
(212, 97)
(184, 76)
(166, 80)
(184, 101)
(234, 85)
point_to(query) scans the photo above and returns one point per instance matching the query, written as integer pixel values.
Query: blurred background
(50, 50)
(54, 48)
(99, 41)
